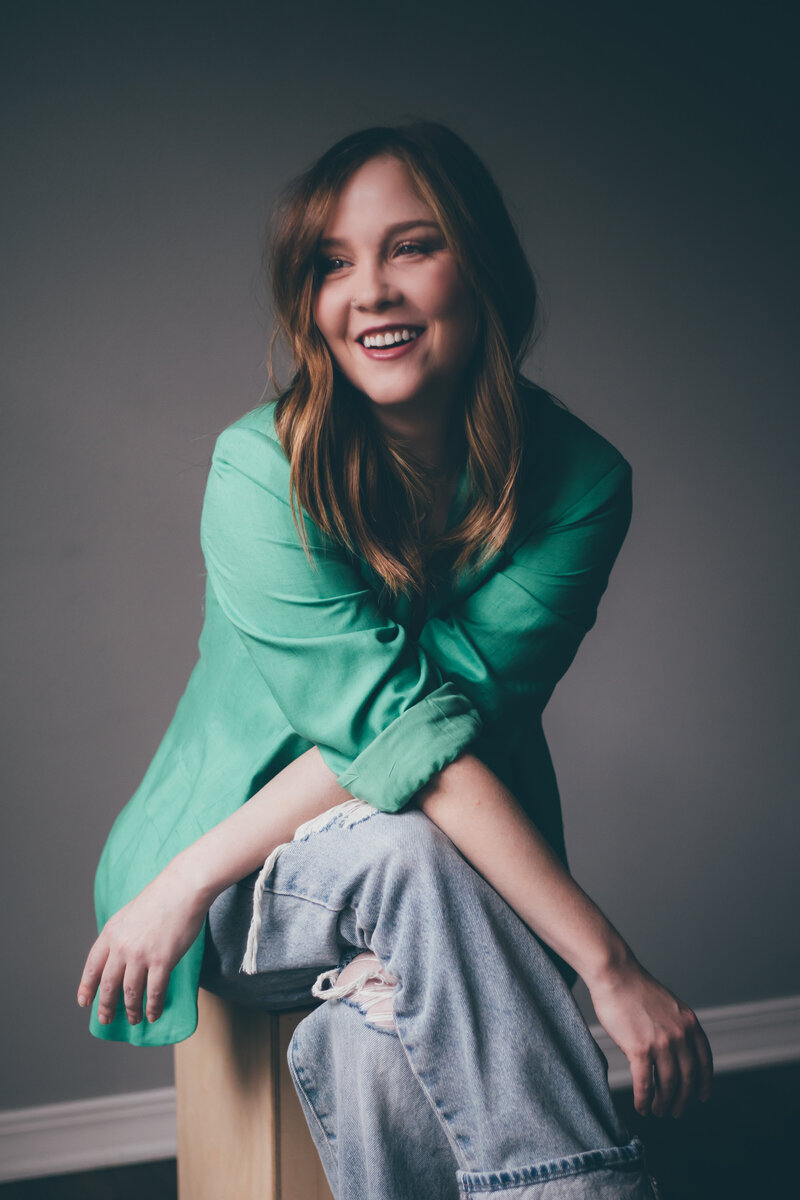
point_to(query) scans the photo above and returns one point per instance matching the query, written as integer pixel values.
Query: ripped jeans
(486, 1080)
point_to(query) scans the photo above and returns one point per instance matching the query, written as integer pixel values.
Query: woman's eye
(326, 265)
(415, 247)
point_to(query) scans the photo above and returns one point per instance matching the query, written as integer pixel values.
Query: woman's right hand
(141, 943)
(654, 1029)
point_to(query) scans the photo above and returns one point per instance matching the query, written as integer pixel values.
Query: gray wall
(648, 169)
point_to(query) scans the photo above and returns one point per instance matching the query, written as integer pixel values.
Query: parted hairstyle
(358, 483)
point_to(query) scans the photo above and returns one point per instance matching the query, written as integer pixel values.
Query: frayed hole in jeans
(366, 983)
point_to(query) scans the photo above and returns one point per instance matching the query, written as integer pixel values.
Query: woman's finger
(642, 1076)
(92, 972)
(688, 1070)
(666, 1077)
(132, 989)
(109, 989)
(157, 980)
(705, 1058)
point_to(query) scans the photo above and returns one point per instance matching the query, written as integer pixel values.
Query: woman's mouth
(407, 339)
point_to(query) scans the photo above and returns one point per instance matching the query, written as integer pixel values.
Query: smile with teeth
(390, 337)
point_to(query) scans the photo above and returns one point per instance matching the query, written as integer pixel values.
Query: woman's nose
(372, 288)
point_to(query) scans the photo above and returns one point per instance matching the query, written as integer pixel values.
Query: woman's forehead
(378, 194)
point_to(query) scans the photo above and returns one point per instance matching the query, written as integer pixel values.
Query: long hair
(358, 483)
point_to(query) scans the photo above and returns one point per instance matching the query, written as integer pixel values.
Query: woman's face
(385, 266)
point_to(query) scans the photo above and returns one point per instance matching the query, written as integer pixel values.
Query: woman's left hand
(141, 943)
(654, 1028)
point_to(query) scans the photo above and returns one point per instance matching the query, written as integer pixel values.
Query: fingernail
(82, 1001)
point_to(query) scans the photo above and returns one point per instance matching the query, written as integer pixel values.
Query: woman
(365, 715)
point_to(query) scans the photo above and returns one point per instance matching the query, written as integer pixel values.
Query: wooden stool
(242, 1134)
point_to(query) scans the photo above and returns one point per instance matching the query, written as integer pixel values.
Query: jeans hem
(631, 1158)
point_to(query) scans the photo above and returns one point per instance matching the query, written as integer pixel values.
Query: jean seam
(308, 899)
(454, 1145)
(295, 1074)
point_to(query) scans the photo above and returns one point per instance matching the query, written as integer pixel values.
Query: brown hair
(360, 485)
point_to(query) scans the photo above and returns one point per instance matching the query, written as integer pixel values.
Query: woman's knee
(335, 1037)
(365, 983)
(410, 843)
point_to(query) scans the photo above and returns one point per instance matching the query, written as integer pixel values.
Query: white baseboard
(110, 1131)
(82, 1135)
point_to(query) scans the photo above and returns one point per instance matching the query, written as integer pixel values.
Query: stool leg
(241, 1131)
(225, 1084)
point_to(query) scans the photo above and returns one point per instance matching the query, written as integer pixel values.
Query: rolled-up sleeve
(346, 677)
(514, 637)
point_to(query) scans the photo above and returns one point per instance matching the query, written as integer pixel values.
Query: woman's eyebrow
(399, 227)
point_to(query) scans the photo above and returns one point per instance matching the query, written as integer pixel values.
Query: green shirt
(291, 657)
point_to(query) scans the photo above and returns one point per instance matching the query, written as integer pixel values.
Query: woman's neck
(437, 441)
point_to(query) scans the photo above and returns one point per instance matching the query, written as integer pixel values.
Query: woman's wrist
(610, 958)
(241, 842)
(192, 873)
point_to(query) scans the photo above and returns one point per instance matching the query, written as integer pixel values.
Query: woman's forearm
(468, 803)
(488, 826)
(302, 790)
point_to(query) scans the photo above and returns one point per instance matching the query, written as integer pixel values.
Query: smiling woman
(403, 230)
(354, 800)
(413, 286)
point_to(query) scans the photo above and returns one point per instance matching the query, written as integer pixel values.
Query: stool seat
(242, 1134)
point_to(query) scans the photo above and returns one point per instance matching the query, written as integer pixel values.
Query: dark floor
(153, 1181)
(734, 1146)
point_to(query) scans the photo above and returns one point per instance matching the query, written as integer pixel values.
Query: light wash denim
(491, 1080)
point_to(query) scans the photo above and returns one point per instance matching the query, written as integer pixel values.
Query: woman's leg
(377, 1135)
(490, 1031)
